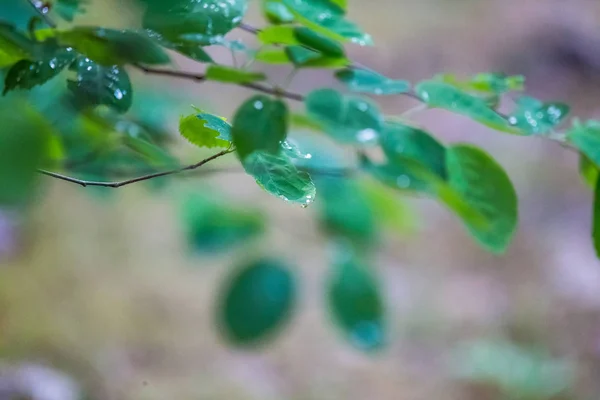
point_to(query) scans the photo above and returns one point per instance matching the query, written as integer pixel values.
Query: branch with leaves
(300, 35)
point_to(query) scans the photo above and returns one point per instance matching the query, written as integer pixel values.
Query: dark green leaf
(100, 85)
(355, 302)
(279, 176)
(360, 80)
(213, 225)
(400, 141)
(484, 185)
(300, 55)
(535, 117)
(257, 301)
(27, 74)
(191, 49)
(205, 130)
(200, 21)
(596, 216)
(114, 47)
(348, 119)
(441, 95)
(319, 42)
(260, 124)
(14, 46)
(223, 73)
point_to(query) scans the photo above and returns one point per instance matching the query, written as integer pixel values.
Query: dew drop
(363, 107)
(366, 135)
(258, 105)
(403, 182)
(118, 94)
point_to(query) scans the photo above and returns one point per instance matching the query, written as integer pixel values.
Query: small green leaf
(390, 210)
(279, 176)
(260, 124)
(223, 73)
(257, 301)
(348, 119)
(319, 42)
(360, 80)
(596, 221)
(114, 47)
(14, 46)
(487, 83)
(588, 170)
(441, 95)
(535, 117)
(400, 141)
(200, 21)
(190, 49)
(205, 130)
(278, 34)
(355, 302)
(26, 74)
(484, 185)
(272, 56)
(586, 138)
(276, 12)
(300, 55)
(99, 85)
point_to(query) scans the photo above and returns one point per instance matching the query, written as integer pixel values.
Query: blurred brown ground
(106, 291)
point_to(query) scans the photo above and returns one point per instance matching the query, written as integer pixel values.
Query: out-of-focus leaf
(588, 170)
(200, 21)
(348, 119)
(99, 85)
(257, 301)
(222, 73)
(14, 46)
(586, 138)
(26, 74)
(535, 117)
(596, 219)
(319, 42)
(276, 12)
(67, 9)
(363, 81)
(114, 47)
(303, 57)
(355, 301)
(277, 175)
(205, 130)
(260, 124)
(212, 225)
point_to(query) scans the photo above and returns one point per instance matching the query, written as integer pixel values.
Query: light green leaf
(260, 124)
(355, 301)
(277, 175)
(200, 21)
(441, 95)
(14, 46)
(276, 12)
(272, 56)
(27, 74)
(348, 119)
(223, 73)
(278, 34)
(99, 85)
(586, 137)
(596, 219)
(114, 47)
(588, 171)
(535, 117)
(256, 302)
(360, 80)
(205, 130)
(484, 185)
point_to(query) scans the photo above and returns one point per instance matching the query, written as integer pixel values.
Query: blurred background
(103, 297)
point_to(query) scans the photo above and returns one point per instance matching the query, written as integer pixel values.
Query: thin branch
(119, 184)
(202, 78)
(249, 29)
(37, 6)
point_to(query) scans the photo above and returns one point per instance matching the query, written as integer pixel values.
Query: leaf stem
(119, 184)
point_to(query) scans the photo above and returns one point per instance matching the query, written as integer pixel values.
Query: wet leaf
(319, 42)
(67, 9)
(205, 130)
(360, 80)
(348, 119)
(256, 302)
(586, 138)
(535, 117)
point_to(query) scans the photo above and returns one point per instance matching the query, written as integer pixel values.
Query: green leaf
(14, 46)
(190, 49)
(348, 119)
(135, 140)
(535, 117)
(484, 185)
(276, 12)
(345, 212)
(588, 170)
(355, 302)
(400, 141)
(360, 80)
(291, 149)
(279, 176)
(257, 301)
(389, 209)
(272, 56)
(319, 42)
(260, 124)
(223, 73)
(596, 219)
(99, 85)
(212, 225)
(200, 21)
(441, 95)
(67, 9)
(278, 34)
(114, 47)
(489, 83)
(27, 74)
(586, 138)
(205, 130)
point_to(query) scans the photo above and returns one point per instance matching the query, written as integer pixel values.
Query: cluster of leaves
(89, 129)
